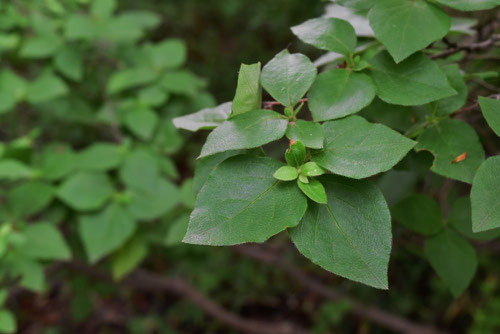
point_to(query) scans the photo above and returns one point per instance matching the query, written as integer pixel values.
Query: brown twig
(468, 47)
(381, 317)
(150, 282)
(270, 104)
(473, 106)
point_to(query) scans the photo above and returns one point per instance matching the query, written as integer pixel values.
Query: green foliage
(484, 196)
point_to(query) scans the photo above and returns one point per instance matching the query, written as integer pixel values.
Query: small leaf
(248, 95)
(103, 9)
(453, 258)
(460, 218)
(286, 173)
(238, 190)
(309, 133)
(287, 77)
(296, 154)
(153, 202)
(40, 47)
(329, 34)
(129, 78)
(450, 104)
(8, 323)
(415, 81)
(248, 130)
(128, 257)
(29, 198)
(303, 178)
(419, 213)
(206, 119)
(43, 241)
(46, 87)
(177, 230)
(142, 122)
(140, 169)
(338, 93)
(469, 5)
(484, 196)
(85, 191)
(170, 53)
(70, 63)
(11, 169)
(312, 169)
(491, 112)
(182, 82)
(314, 190)
(99, 157)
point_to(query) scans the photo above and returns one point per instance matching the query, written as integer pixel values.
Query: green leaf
(453, 258)
(309, 133)
(239, 190)
(56, 161)
(103, 9)
(11, 169)
(187, 196)
(176, 231)
(287, 77)
(70, 63)
(46, 87)
(329, 34)
(128, 257)
(80, 27)
(296, 154)
(312, 169)
(358, 4)
(152, 96)
(29, 198)
(169, 53)
(399, 118)
(43, 241)
(182, 82)
(351, 235)
(470, 5)
(359, 149)
(491, 112)
(85, 191)
(129, 78)
(405, 27)
(99, 157)
(8, 323)
(40, 47)
(251, 129)
(205, 119)
(205, 166)
(248, 94)
(142, 122)
(32, 274)
(415, 81)
(153, 202)
(460, 219)
(140, 169)
(450, 104)
(286, 173)
(484, 196)
(447, 140)
(104, 232)
(143, 19)
(338, 93)
(12, 90)
(314, 190)
(419, 213)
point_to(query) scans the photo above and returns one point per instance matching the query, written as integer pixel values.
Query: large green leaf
(491, 112)
(460, 218)
(415, 81)
(106, 231)
(351, 235)
(287, 77)
(248, 130)
(338, 93)
(396, 117)
(329, 34)
(99, 157)
(484, 196)
(450, 104)
(453, 258)
(242, 202)
(11, 169)
(43, 241)
(405, 27)
(419, 213)
(29, 198)
(205, 119)
(205, 166)
(85, 191)
(358, 149)
(309, 133)
(470, 5)
(248, 94)
(447, 140)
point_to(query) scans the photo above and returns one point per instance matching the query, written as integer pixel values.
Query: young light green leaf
(309, 133)
(314, 190)
(85, 191)
(484, 196)
(248, 95)
(205, 119)
(338, 93)
(29, 198)
(287, 77)
(130, 78)
(453, 258)
(419, 213)
(240, 189)
(43, 241)
(46, 87)
(470, 5)
(128, 257)
(286, 173)
(415, 81)
(70, 63)
(312, 169)
(450, 104)
(351, 235)
(105, 231)
(251, 129)
(11, 169)
(329, 34)
(99, 157)
(296, 154)
(447, 140)
(8, 324)
(359, 149)
(460, 218)
(405, 27)
(142, 122)
(491, 112)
